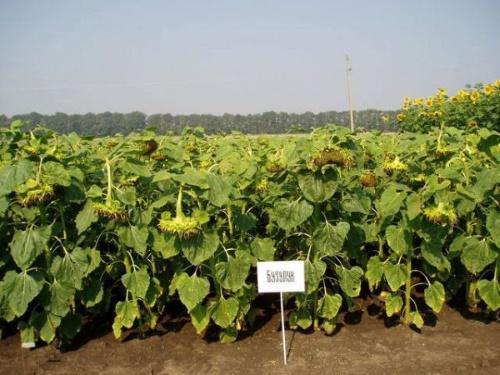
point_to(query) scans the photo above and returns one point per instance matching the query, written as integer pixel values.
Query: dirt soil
(364, 343)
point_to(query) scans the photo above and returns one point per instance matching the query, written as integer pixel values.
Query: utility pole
(348, 72)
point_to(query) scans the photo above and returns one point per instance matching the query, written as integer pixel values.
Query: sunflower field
(120, 229)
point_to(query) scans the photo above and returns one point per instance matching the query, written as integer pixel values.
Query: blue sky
(239, 56)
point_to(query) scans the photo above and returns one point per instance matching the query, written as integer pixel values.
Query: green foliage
(81, 220)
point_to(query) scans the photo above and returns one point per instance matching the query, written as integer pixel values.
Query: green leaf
(314, 273)
(432, 253)
(398, 239)
(15, 175)
(192, 177)
(329, 239)
(126, 314)
(85, 218)
(233, 273)
(135, 237)
(350, 280)
(434, 296)
(92, 293)
(476, 255)
(289, 215)
(417, 319)
(301, 318)
(164, 244)
(493, 225)
(137, 282)
(199, 248)
(136, 167)
(22, 288)
(225, 312)
(46, 324)
(200, 318)
(317, 187)
(413, 204)
(27, 245)
(395, 275)
(74, 266)
(55, 174)
(390, 201)
(263, 248)
(489, 290)
(374, 271)
(59, 298)
(192, 290)
(393, 304)
(219, 190)
(228, 335)
(330, 305)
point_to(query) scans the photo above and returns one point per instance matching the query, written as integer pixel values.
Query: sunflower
(441, 214)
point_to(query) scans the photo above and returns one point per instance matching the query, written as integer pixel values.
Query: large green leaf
(314, 273)
(200, 318)
(135, 237)
(21, 289)
(317, 187)
(289, 215)
(350, 280)
(27, 245)
(55, 174)
(14, 175)
(85, 217)
(393, 304)
(493, 225)
(390, 201)
(434, 296)
(219, 190)
(192, 290)
(199, 248)
(225, 311)
(399, 239)
(477, 254)
(263, 248)
(396, 275)
(489, 290)
(137, 282)
(58, 298)
(374, 271)
(329, 239)
(330, 305)
(126, 314)
(233, 273)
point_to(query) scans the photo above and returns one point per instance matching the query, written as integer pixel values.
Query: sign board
(282, 276)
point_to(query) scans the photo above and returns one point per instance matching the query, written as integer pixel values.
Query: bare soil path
(363, 344)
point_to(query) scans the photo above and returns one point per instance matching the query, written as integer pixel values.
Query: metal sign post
(280, 277)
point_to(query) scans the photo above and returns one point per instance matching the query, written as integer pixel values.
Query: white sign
(284, 276)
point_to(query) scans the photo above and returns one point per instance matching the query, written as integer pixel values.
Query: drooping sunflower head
(111, 210)
(262, 186)
(150, 146)
(182, 226)
(33, 192)
(332, 156)
(441, 214)
(394, 164)
(368, 179)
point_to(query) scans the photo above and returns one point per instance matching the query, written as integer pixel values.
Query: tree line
(109, 123)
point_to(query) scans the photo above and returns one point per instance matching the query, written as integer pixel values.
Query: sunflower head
(332, 155)
(441, 214)
(112, 210)
(395, 164)
(368, 179)
(150, 146)
(182, 226)
(262, 186)
(33, 192)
